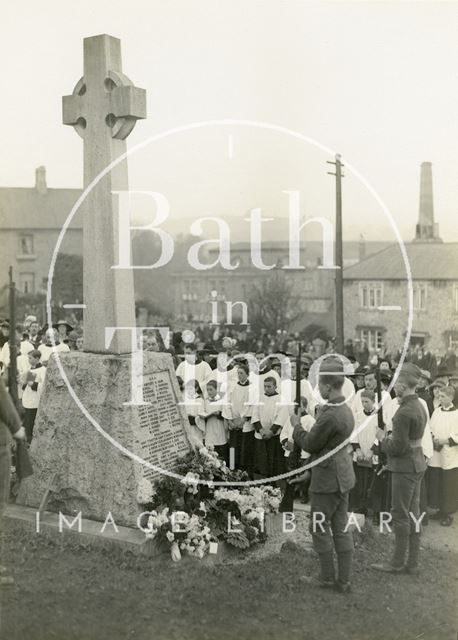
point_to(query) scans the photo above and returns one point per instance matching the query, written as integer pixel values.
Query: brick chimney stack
(40, 180)
(426, 230)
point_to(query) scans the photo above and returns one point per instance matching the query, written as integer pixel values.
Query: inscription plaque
(161, 437)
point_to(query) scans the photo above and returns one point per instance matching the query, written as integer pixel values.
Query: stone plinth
(91, 474)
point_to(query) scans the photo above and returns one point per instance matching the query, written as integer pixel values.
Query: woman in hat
(63, 330)
(47, 348)
(443, 466)
(434, 391)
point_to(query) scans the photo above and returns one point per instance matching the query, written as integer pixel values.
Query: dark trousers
(269, 457)
(332, 533)
(29, 421)
(5, 471)
(405, 497)
(247, 453)
(442, 489)
(359, 495)
(380, 492)
(223, 451)
(405, 500)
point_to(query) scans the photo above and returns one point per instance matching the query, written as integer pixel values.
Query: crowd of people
(267, 411)
(240, 400)
(34, 345)
(248, 409)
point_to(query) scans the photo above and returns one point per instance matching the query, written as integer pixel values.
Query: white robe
(444, 424)
(239, 406)
(269, 413)
(286, 433)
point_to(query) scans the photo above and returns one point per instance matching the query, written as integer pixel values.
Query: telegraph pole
(339, 255)
(12, 377)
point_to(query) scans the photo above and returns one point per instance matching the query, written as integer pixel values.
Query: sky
(374, 81)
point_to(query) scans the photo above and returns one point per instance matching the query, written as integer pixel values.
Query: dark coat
(426, 396)
(9, 418)
(409, 423)
(334, 425)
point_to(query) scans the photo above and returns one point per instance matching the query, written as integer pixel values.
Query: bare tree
(272, 304)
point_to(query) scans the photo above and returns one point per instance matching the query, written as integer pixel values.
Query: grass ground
(69, 592)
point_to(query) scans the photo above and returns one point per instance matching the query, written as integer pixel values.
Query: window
(453, 340)
(27, 282)
(419, 296)
(26, 244)
(371, 295)
(372, 337)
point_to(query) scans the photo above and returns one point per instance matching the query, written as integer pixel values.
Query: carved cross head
(103, 98)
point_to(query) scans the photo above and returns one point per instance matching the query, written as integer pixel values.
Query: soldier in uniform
(332, 478)
(403, 448)
(10, 425)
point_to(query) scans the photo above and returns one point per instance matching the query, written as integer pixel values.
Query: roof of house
(26, 208)
(428, 261)
(312, 248)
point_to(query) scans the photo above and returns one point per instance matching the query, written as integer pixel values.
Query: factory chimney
(426, 230)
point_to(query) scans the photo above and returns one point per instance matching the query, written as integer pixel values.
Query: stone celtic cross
(103, 109)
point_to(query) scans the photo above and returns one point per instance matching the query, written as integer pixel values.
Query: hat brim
(63, 324)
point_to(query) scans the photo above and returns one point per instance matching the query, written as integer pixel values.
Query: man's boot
(397, 564)
(344, 563)
(414, 553)
(327, 577)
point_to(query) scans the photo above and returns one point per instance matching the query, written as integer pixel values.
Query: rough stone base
(90, 535)
(84, 470)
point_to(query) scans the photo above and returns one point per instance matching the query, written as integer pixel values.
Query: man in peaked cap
(403, 448)
(332, 478)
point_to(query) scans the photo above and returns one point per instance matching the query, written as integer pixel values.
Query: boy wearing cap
(407, 465)
(332, 477)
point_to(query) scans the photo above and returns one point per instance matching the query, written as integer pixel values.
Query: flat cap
(410, 370)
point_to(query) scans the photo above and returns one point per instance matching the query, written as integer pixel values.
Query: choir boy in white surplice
(215, 429)
(194, 405)
(370, 383)
(296, 458)
(286, 434)
(32, 382)
(364, 442)
(237, 415)
(443, 465)
(268, 419)
(193, 368)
